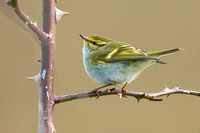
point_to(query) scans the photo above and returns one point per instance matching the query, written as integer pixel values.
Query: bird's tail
(158, 54)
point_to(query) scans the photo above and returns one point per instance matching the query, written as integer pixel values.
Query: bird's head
(95, 42)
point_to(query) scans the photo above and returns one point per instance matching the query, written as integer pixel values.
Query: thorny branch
(22, 16)
(47, 98)
(137, 95)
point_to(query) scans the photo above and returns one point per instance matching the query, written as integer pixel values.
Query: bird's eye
(94, 43)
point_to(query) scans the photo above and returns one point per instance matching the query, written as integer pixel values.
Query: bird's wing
(115, 52)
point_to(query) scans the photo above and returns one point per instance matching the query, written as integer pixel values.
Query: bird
(116, 63)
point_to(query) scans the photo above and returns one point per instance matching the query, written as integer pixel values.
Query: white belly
(117, 73)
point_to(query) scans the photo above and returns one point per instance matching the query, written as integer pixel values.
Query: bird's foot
(123, 90)
(97, 89)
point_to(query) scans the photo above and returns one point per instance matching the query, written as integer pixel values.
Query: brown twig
(14, 4)
(47, 37)
(47, 98)
(175, 90)
(45, 79)
(137, 95)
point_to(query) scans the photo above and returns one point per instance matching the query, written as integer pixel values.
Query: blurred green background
(147, 24)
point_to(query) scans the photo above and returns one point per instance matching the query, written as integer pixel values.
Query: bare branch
(15, 12)
(47, 98)
(175, 90)
(137, 95)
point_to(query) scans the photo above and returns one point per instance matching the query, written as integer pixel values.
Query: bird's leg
(97, 89)
(123, 88)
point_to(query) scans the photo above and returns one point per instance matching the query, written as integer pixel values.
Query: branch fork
(14, 4)
(45, 79)
(28, 23)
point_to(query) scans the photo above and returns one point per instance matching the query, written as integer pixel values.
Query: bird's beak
(83, 37)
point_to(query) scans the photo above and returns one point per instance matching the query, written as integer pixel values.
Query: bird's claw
(123, 90)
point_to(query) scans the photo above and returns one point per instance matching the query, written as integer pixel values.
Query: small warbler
(116, 63)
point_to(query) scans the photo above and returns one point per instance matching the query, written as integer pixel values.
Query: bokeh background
(147, 24)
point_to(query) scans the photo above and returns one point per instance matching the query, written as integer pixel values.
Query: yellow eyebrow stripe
(97, 41)
(111, 53)
(101, 43)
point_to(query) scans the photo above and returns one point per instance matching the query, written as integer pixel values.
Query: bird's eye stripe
(94, 43)
(102, 43)
(98, 43)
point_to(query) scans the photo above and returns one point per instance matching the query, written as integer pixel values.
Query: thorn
(36, 78)
(166, 89)
(60, 14)
(176, 87)
(138, 99)
(165, 86)
(112, 89)
(39, 59)
(35, 23)
(53, 130)
(120, 95)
